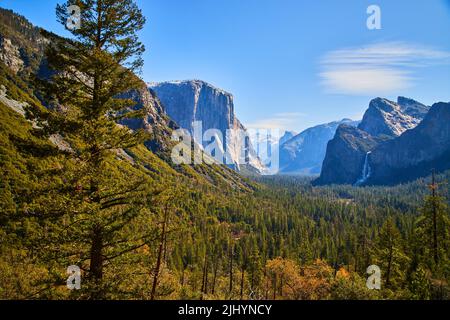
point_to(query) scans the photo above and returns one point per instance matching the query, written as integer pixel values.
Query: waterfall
(366, 171)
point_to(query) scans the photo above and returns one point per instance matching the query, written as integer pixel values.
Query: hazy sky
(292, 63)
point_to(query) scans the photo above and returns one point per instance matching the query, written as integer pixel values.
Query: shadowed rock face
(415, 152)
(153, 121)
(153, 111)
(384, 119)
(345, 156)
(405, 139)
(194, 100)
(305, 152)
(413, 108)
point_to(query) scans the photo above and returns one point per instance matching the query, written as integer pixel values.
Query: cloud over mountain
(376, 69)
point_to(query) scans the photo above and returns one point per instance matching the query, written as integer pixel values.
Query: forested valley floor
(81, 191)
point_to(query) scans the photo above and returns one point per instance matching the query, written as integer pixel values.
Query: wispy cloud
(281, 121)
(377, 68)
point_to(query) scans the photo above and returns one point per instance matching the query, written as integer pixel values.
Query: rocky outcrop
(10, 55)
(416, 152)
(288, 135)
(305, 152)
(191, 101)
(30, 41)
(17, 106)
(154, 119)
(21, 44)
(385, 117)
(153, 111)
(413, 108)
(395, 142)
(22, 51)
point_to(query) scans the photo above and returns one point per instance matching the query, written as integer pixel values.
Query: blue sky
(292, 63)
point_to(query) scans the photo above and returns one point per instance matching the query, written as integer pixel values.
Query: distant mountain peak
(395, 142)
(286, 137)
(383, 104)
(405, 101)
(385, 117)
(304, 153)
(191, 101)
(412, 107)
(196, 83)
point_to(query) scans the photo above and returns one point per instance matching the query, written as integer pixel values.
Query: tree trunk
(182, 276)
(204, 276)
(160, 252)
(281, 286)
(214, 277)
(266, 284)
(274, 287)
(231, 270)
(242, 283)
(435, 240)
(388, 271)
(165, 249)
(96, 255)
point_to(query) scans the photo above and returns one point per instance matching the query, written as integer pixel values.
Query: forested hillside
(78, 187)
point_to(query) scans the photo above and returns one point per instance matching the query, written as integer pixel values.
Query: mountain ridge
(19, 87)
(398, 146)
(305, 152)
(191, 101)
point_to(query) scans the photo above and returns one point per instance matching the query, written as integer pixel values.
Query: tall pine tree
(96, 200)
(433, 228)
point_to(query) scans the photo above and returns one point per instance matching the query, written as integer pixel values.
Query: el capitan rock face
(305, 152)
(22, 53)
(195, 100)
(190, 101)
